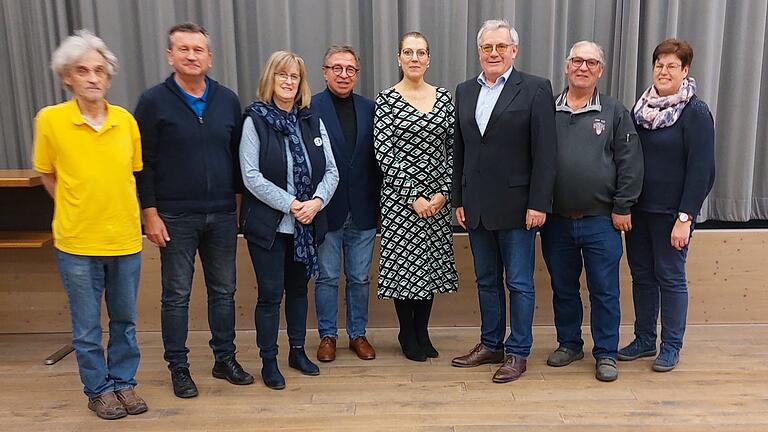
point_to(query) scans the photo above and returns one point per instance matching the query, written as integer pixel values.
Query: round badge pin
(318, 141)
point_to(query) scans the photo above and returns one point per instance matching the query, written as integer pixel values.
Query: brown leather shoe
(362, 348)
(326, 352)
(478, 356)
(107, 406)
(131, 401)
(511, 370)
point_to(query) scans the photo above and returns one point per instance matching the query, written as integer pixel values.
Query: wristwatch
(683, 217)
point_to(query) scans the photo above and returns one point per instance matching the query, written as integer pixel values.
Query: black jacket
(499, 175)
(190, 164)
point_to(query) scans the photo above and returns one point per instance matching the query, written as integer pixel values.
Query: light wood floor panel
(720, 385)
(726, 270)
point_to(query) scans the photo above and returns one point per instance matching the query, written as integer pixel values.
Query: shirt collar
(203, 98)
(499, 81)
(77, 117)
(561, 103)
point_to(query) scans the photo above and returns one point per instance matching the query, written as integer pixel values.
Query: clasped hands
(426, 208)
(305, 211)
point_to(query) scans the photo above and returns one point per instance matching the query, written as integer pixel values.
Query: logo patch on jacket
(598, 125)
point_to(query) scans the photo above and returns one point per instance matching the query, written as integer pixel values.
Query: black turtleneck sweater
(345, 110)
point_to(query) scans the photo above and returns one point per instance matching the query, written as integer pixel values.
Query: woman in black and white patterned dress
(413, 143)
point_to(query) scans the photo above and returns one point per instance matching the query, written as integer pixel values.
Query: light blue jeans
(85, 279)
(356, 246)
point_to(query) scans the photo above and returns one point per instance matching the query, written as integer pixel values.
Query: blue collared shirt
(487, 98)
(196, 103)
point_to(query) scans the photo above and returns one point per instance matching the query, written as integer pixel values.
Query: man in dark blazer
(354, 208)
(503, 178)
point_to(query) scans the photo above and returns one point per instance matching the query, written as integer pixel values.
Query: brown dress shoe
(107, 406)
(326, 352)
(362, 348)
(511, 370)
(478, 356)
(131, 401)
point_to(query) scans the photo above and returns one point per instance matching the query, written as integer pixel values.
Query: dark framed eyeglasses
(339, 69)
(500, 48)
(592, 64)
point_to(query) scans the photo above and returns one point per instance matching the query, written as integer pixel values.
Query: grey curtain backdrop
(728, 37)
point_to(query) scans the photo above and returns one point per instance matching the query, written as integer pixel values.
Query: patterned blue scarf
(304, 248)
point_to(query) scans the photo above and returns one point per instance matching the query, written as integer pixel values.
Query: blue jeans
(214, 236)
(85, 279)
(357, 248)
(277, 273)
(658, 275)
(591, 242)
(496, 253)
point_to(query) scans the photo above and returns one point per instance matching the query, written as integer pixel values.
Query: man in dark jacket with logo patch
(599, 178)
(190, 192)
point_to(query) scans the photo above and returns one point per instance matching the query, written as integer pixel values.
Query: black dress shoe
(271, 375)
(183, 386)
(230, 370)
(298, 359)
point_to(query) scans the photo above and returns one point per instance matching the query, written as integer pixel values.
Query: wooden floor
(721, 384)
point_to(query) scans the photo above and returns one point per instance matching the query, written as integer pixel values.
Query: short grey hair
(594, 45)
(336, 49)
(495, 24)
(74, 47)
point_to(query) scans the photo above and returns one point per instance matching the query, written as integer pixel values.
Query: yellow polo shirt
(96, 212)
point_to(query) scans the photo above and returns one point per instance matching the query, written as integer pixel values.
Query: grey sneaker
(563, 356)
(606, 370)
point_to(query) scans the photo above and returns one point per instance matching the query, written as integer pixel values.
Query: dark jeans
(214, 236)
(277, 272)
(495, 254)
(591, 242)
(115, 278)
(658, 276)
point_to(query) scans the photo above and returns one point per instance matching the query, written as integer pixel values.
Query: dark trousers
(594, 244)
(214, 237)
(658, 278)
(277, 273)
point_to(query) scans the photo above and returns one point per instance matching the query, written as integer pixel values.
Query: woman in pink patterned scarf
(677, 134)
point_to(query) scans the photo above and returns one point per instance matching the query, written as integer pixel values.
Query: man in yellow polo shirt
(87, 151)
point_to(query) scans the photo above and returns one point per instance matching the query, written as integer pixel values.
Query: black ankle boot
(298, 359)
(407, 335)
(421, 313)
(271, 375)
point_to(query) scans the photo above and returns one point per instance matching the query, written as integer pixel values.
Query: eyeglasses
(671, 67)
(592, 64)
(500, 48)
(421, 54)
(339, 69)
(85, 71)
(282, 76)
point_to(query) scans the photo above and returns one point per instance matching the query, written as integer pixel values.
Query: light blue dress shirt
(487, 98)
(271, 194)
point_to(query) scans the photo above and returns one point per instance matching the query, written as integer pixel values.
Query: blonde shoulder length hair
(278, 62)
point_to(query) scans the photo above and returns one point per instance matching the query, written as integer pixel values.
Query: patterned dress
(415, 152)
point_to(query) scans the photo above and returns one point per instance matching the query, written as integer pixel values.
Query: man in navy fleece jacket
(189, 192)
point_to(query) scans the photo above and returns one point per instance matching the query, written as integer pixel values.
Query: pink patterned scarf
(655, 112)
